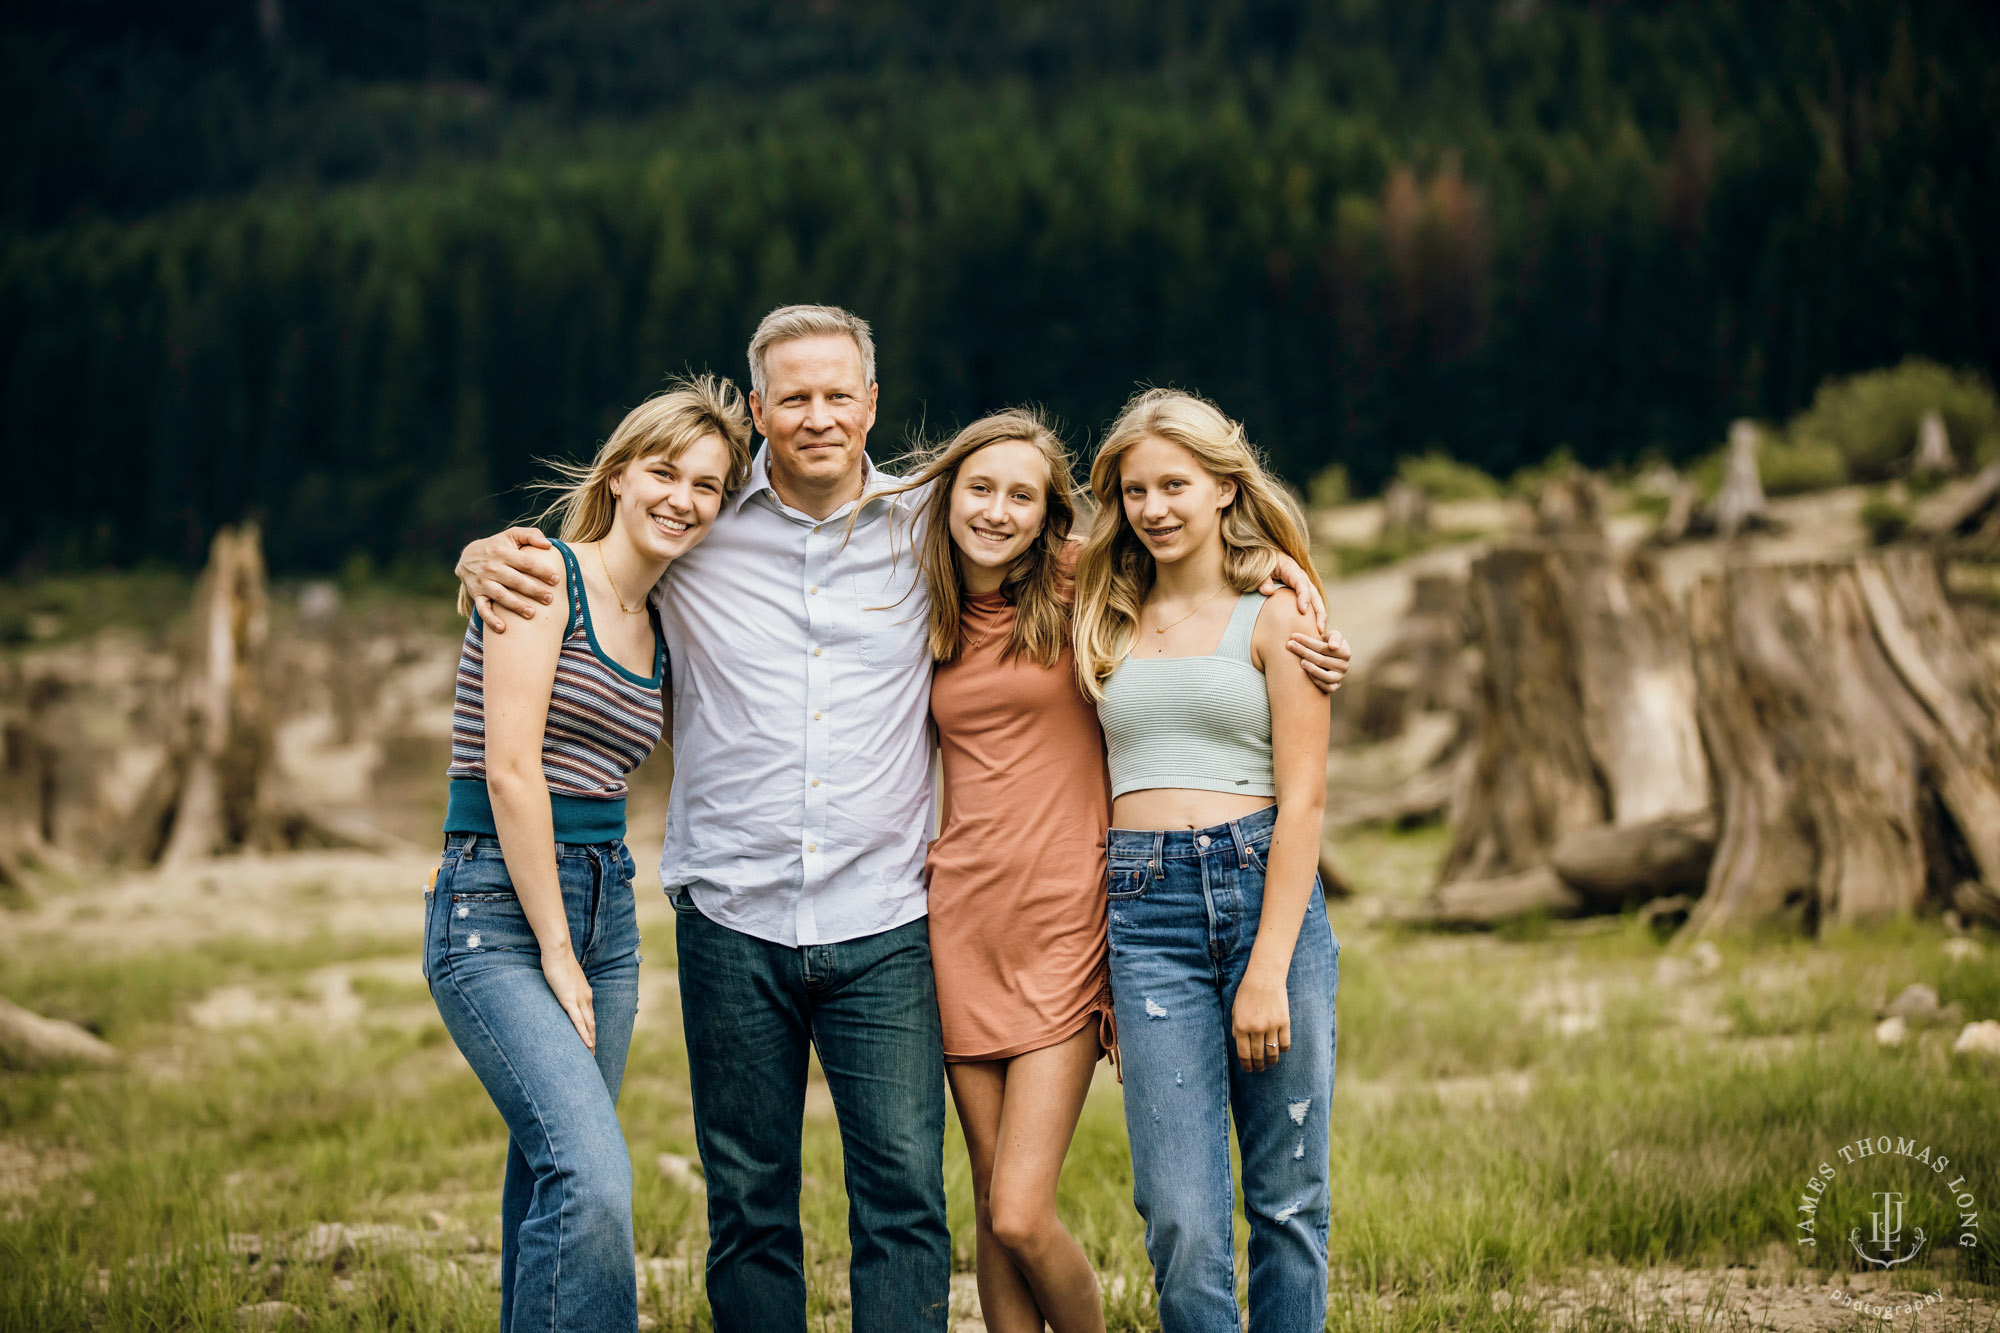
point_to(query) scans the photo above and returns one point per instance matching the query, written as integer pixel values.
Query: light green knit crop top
(1202, 723)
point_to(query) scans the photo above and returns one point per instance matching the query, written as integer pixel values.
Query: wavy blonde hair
(1114, 574)
(1038, 583)
(665, 424)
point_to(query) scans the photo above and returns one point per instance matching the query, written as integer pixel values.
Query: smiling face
(667, 506)
(819, 409)
(1172, 502)
(999, 501)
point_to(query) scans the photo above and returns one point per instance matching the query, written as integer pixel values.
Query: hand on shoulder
(510, 575)
(1277, 620)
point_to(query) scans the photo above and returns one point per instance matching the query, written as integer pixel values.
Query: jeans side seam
(555, 1277)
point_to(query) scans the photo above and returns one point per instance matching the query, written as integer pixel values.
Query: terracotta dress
(1017, 907)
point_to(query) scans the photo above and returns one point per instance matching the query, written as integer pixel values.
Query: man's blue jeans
(566, 1207)
(1184, 911)
(751, 1010)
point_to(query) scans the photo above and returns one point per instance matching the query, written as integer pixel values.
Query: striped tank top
(603, 722)
(1200, 723)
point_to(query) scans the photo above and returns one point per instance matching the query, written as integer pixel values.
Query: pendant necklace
(628, 610)
(1162, 629)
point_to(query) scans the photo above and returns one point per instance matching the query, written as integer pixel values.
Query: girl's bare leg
(1019, 1117)
(978, 1089)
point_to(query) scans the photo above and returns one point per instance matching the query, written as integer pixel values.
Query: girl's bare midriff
(1182, 808)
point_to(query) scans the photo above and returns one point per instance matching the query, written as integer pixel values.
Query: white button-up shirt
(801, 689)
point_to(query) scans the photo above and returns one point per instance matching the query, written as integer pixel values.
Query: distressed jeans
(752, 1009)
(1185, 905)
(566, 1207)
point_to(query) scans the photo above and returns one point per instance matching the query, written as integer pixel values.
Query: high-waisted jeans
(1185, 905)
(566, 1207)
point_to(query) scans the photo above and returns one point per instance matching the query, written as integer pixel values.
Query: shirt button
(812, 846)
(815, 717)
(815, 652)
(815, 782)
(813, 591)
(1202, 841)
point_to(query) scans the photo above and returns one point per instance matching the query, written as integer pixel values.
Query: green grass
(1507, 1112)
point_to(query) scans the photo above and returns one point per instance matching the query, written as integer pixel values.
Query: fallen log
(1424, 797)
(1957, 511)
(1473, 903)
(1616, 866)
(30, 1041)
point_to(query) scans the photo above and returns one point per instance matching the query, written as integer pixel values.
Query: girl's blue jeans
(1185, 905)
(566, 1207)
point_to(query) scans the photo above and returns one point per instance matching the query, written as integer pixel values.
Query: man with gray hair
(796, 835)
(795, 843)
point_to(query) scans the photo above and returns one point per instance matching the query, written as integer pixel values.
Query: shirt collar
(760, 478)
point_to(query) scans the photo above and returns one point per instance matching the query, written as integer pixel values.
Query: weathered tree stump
(1933, 457)
(1571, 505)
(1406, 512)
(216, 793)
(1585, 707)
(1421, 670)
(1739, 503)
(1815, 743)
(1852, 732)
(1682, 503)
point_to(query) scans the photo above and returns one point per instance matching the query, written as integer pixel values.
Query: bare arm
(509, 573)
(1289, 574)
(1323, 653)
(520, 673)
(1299, 715)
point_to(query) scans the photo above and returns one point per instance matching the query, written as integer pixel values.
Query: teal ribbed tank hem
(578, 819)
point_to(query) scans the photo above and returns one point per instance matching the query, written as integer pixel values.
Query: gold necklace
(628, 610)
(1162, 629)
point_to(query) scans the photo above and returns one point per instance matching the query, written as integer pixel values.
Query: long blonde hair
(1114, 574)
(665, 424)
(1038, 583)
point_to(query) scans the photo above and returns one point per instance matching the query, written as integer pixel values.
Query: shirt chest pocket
(887, 615)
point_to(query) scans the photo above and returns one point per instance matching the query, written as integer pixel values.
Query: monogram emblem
(1886, 1232)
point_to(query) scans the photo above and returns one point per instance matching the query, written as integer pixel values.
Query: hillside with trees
(349, 269)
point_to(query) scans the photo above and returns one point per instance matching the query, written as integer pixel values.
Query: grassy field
(1562, 1128)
